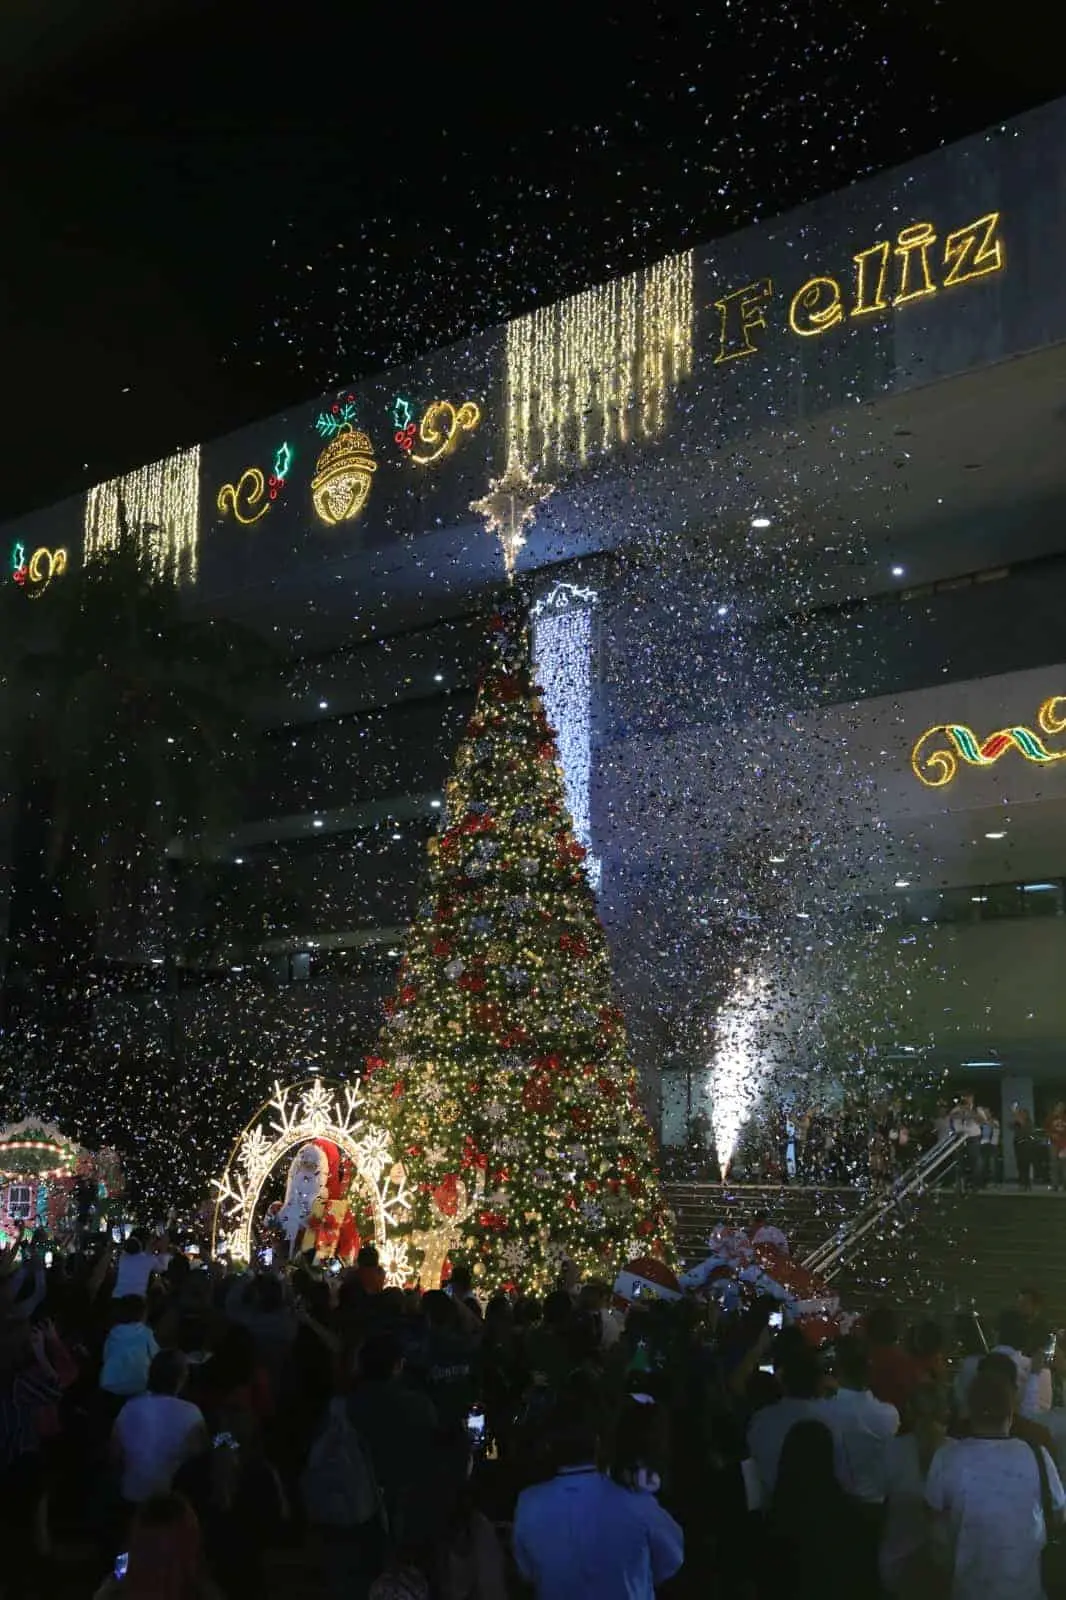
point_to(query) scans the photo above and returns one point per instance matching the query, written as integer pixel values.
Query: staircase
(931, 1254)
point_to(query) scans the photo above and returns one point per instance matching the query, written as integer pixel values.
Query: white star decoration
(510, 506)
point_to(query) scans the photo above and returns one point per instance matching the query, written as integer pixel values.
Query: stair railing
(829, 1258)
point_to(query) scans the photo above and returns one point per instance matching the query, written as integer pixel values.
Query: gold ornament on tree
(510, 506)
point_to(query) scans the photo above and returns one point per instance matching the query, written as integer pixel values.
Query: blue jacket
(583, 1537)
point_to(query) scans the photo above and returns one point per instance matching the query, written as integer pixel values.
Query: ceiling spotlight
(438, 677)
(317, 823)
(723, 611)
(778, 861)
(323, 705)
(903, 883)
(435, 804)
(392, 952)
(760, 522)
(1000, 835)
(897, 572)
(238, 861)
(397, 837)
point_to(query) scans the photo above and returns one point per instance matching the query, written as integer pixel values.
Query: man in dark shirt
(400, 1429)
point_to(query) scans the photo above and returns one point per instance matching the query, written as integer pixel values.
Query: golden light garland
(162, 506)
(42, 567)
(441, 428)
(509, 508)
(249, 488)
(600, 365)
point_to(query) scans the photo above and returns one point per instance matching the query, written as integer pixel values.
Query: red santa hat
(646, 1279)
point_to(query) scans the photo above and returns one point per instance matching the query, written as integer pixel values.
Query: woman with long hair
(165, 1558)
(813, 1537)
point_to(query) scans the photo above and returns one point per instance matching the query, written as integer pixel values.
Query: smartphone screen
(121, 1563)
(775, 1319)
(475, 1427)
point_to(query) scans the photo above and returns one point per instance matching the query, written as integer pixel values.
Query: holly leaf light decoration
(510, 506)
(503, 1069)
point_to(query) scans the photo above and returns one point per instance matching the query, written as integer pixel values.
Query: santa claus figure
(307, 1180)
(331, 1230)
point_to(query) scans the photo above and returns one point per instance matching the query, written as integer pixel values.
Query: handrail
(828, 1259)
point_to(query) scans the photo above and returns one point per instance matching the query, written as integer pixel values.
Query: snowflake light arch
(294, 1116)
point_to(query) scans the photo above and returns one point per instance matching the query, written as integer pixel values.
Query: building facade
(797, 596)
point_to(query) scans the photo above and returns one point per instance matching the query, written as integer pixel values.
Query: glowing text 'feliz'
(916, 265)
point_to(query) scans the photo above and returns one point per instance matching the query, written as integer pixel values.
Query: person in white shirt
(966, 1118)
(157, 1432)
(861, 1426)
(905, 1555)
(135, 1267)
(985, 1491)
(800, 1378)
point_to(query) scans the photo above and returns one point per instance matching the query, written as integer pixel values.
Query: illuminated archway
(295, 1116)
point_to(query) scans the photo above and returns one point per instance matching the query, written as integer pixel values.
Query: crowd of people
(177, 1429)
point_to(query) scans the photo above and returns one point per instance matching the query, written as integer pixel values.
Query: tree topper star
(510, 506)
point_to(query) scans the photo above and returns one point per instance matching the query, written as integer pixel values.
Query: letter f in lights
(740, 312)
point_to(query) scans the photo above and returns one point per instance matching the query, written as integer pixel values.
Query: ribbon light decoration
(937, 767)
(439, 431)
(253, 490)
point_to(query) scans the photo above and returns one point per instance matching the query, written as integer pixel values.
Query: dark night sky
(213, 209)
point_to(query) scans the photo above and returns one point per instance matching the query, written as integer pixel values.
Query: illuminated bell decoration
(343, 475)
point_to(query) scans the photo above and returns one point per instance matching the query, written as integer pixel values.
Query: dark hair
(806, 1485)
(380, 1356)
(1013, 1328)
(853, 1362)
(439, 1308)
(992, 1396)
(167, 1372)
(367, 1257)
(1000, 1365)
(573, 1434)
(882, 1326)
(270, 1292)
(461, 1279)
(129, 1308)
(759, 1216)
(800, 1374)
(1032, 1294)
(638, 1441)
(558, 1308)
(133, 1245)
(927, 1338)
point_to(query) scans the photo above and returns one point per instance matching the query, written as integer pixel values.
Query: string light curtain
(593, 371)
(162, 503)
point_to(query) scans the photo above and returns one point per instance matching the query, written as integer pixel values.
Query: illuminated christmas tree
(502, 1074)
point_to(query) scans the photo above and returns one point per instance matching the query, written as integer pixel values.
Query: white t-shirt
(906, 1529)
(861, 1427)
(156, 1433)
(134, 1272)
(989, 1490)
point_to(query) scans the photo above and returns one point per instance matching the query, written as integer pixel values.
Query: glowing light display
(251, 496)
(162, 506)
(403, 412)
(562, 654)
(509, 508)
(293, 1117)
(43, 566)
(973, 251)
(740, 1064)
(441, 428)
(343, 475)
(595, 370)
(936, 767)
(246, 499)
(340, 416)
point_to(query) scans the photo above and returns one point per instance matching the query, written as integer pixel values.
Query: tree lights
(502, 1075)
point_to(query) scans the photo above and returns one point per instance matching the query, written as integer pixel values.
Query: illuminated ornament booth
(343, 475)
(48, 1183)
(333, 1158)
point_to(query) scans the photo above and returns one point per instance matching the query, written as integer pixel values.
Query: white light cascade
(162, 505)
(740, 1064)
(562, 659)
